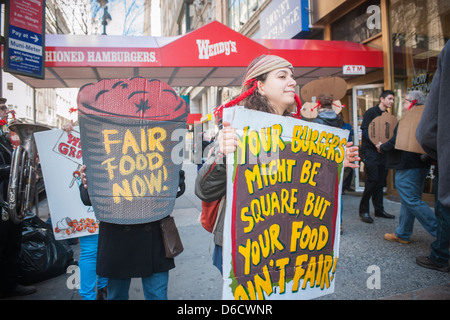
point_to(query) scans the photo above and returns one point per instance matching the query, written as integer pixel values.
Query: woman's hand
(378, 146)
(228, 139)
(351, 155)
(83, 176)
(68, 127)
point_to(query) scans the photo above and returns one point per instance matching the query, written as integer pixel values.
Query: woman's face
(406, 103)
(279, 89)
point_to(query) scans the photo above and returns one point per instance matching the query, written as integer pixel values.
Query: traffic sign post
(24, 52)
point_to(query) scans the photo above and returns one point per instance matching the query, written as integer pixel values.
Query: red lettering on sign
(69, 151)
(63, 148)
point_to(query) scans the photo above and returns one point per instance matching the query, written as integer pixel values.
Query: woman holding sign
(268, 86)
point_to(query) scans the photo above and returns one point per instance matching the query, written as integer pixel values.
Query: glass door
(364, 98)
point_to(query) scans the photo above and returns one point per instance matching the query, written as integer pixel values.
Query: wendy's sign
(126, 128)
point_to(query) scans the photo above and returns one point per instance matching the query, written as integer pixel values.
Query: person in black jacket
(143, 241)
(410, 174)
(326, 114)
(433, 135)
(375, 163)
(10, 233)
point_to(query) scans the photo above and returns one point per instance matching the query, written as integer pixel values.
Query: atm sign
(354, 69)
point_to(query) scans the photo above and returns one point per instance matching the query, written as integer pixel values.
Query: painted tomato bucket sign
(126, 128)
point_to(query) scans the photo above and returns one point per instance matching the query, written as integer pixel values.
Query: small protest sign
(406, 132)
(381, 129)
(61, 158)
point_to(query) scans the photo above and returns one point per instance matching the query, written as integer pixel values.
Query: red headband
(254, 84)
(334, 104)
(412, 104)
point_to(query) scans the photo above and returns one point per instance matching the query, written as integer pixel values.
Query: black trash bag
(41, 256)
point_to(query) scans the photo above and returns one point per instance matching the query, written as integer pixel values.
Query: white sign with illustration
(61, 159)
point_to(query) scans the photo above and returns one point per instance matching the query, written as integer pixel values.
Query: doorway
(364, 97)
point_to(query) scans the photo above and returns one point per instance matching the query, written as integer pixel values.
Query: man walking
(375, 162)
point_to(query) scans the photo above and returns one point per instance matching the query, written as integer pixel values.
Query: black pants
(376, 173)
(348, 178)
(10, 245)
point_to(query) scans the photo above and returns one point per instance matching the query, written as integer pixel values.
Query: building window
(359, 24)
(186, 18)
(240, 11)
(420, 30)
(29, 112)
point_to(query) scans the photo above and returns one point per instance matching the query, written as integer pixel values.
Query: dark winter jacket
(329, 118)
(400, 159)
(433, 133)
(368, 149)
(114, 257)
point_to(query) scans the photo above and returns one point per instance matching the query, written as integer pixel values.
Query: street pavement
(362, 250)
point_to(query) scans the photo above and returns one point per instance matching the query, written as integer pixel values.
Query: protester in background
(375, 163)
(89, 280)
(348, 172)
(410, 173)
(268, 86)
(433, 135)
(327, 116)
(10, 233)
(143, 246)
(206, 141)
(198, 157)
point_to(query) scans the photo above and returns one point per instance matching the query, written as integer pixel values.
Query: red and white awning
(213, 55)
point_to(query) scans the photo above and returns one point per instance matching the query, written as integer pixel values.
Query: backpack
(209, 213)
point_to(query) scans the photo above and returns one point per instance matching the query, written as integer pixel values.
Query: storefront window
(420, 30)
(359, 24)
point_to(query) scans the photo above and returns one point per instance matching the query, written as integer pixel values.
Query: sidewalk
(362, 245)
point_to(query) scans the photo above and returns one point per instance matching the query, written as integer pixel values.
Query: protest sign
(311, 92)
(61, 158)
(281, 237)
(381, 129)
(406, 132)
(334, 86)
(127, 130)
